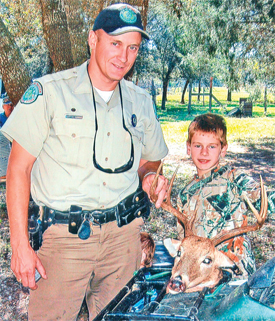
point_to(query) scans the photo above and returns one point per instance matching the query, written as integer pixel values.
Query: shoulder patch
(32, 93)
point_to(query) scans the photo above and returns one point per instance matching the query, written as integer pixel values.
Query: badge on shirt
(32, 93)
(134, 120)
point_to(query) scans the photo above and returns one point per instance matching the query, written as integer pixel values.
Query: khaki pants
(96, 269)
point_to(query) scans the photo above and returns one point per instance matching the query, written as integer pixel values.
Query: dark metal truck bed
(144, 297)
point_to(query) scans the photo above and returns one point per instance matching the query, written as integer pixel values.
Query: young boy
(214, 195)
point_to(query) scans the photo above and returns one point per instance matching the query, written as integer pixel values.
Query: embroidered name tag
(74, 116)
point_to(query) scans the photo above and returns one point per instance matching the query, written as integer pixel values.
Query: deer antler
(261, 217)
(167, 205)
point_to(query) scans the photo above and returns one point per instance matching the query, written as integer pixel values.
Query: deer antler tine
(154, 183)
(171, 186)
(253, 209)
(264, 203)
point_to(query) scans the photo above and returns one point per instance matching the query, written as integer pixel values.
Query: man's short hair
(209, 123)
(118, 19)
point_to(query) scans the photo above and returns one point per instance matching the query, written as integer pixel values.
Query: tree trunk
(154, 93)
(199, 91)
(164, 93)
(77, 31)
(228, 95)
(14, 72)
(56, 34)
(184, 91)
(190, 98)
(142, 6)
(265, 100)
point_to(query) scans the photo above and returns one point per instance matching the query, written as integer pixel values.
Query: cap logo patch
(32, 93)
(128, 15)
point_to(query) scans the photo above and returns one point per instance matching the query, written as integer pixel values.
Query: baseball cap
(6, 100)
(118, 19)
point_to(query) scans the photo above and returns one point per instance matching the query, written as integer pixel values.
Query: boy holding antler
(215, 196)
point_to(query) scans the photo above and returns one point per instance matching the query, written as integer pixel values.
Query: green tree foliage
(162, 27)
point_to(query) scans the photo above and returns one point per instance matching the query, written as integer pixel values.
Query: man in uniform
(83, 140)
(8, 108)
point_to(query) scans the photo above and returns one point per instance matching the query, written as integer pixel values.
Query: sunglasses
(129, 164)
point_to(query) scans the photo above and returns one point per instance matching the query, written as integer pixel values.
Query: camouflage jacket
(216, 201)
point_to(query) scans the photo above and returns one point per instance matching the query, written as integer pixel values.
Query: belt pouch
(135, 205)
(75, 219)
(145, 207)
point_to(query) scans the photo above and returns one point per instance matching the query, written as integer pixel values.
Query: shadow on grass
(258, 159)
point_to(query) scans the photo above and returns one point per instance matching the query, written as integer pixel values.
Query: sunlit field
(175, 119)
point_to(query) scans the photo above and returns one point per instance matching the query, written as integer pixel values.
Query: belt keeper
(118, 218)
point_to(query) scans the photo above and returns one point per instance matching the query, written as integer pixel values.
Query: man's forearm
(18, 193)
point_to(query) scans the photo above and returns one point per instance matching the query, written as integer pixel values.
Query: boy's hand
(161, 189)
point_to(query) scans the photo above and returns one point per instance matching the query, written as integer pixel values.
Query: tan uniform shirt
(55, 122)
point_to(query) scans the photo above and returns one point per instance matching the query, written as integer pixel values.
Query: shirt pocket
(138, 140)
(74, 140)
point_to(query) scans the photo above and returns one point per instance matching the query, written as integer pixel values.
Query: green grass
(258, 128)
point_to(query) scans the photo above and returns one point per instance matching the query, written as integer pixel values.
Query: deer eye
(207, 261)
(179, 253)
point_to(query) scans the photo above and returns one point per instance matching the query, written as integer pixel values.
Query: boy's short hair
(209, 123)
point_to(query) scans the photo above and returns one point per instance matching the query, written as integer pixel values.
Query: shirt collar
(207, 174)
(82, 84)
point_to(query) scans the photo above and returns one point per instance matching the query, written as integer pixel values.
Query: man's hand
(24, 261)
(161, 189)
(147, 171)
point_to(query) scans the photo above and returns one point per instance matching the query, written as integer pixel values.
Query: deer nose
(176, 284)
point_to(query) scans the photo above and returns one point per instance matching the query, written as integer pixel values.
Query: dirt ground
(253, 159)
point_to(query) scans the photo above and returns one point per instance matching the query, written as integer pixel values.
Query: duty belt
(79, 221)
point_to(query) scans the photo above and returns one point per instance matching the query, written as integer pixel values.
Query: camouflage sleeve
(180, 229)
(238, 249)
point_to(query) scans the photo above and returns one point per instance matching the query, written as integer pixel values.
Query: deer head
(198, 263)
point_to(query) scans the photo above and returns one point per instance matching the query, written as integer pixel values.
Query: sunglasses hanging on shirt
(129, 164)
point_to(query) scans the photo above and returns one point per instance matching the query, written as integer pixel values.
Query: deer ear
(172, 246)
(223, 260)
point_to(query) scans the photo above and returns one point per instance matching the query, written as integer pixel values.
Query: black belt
(133, 206)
